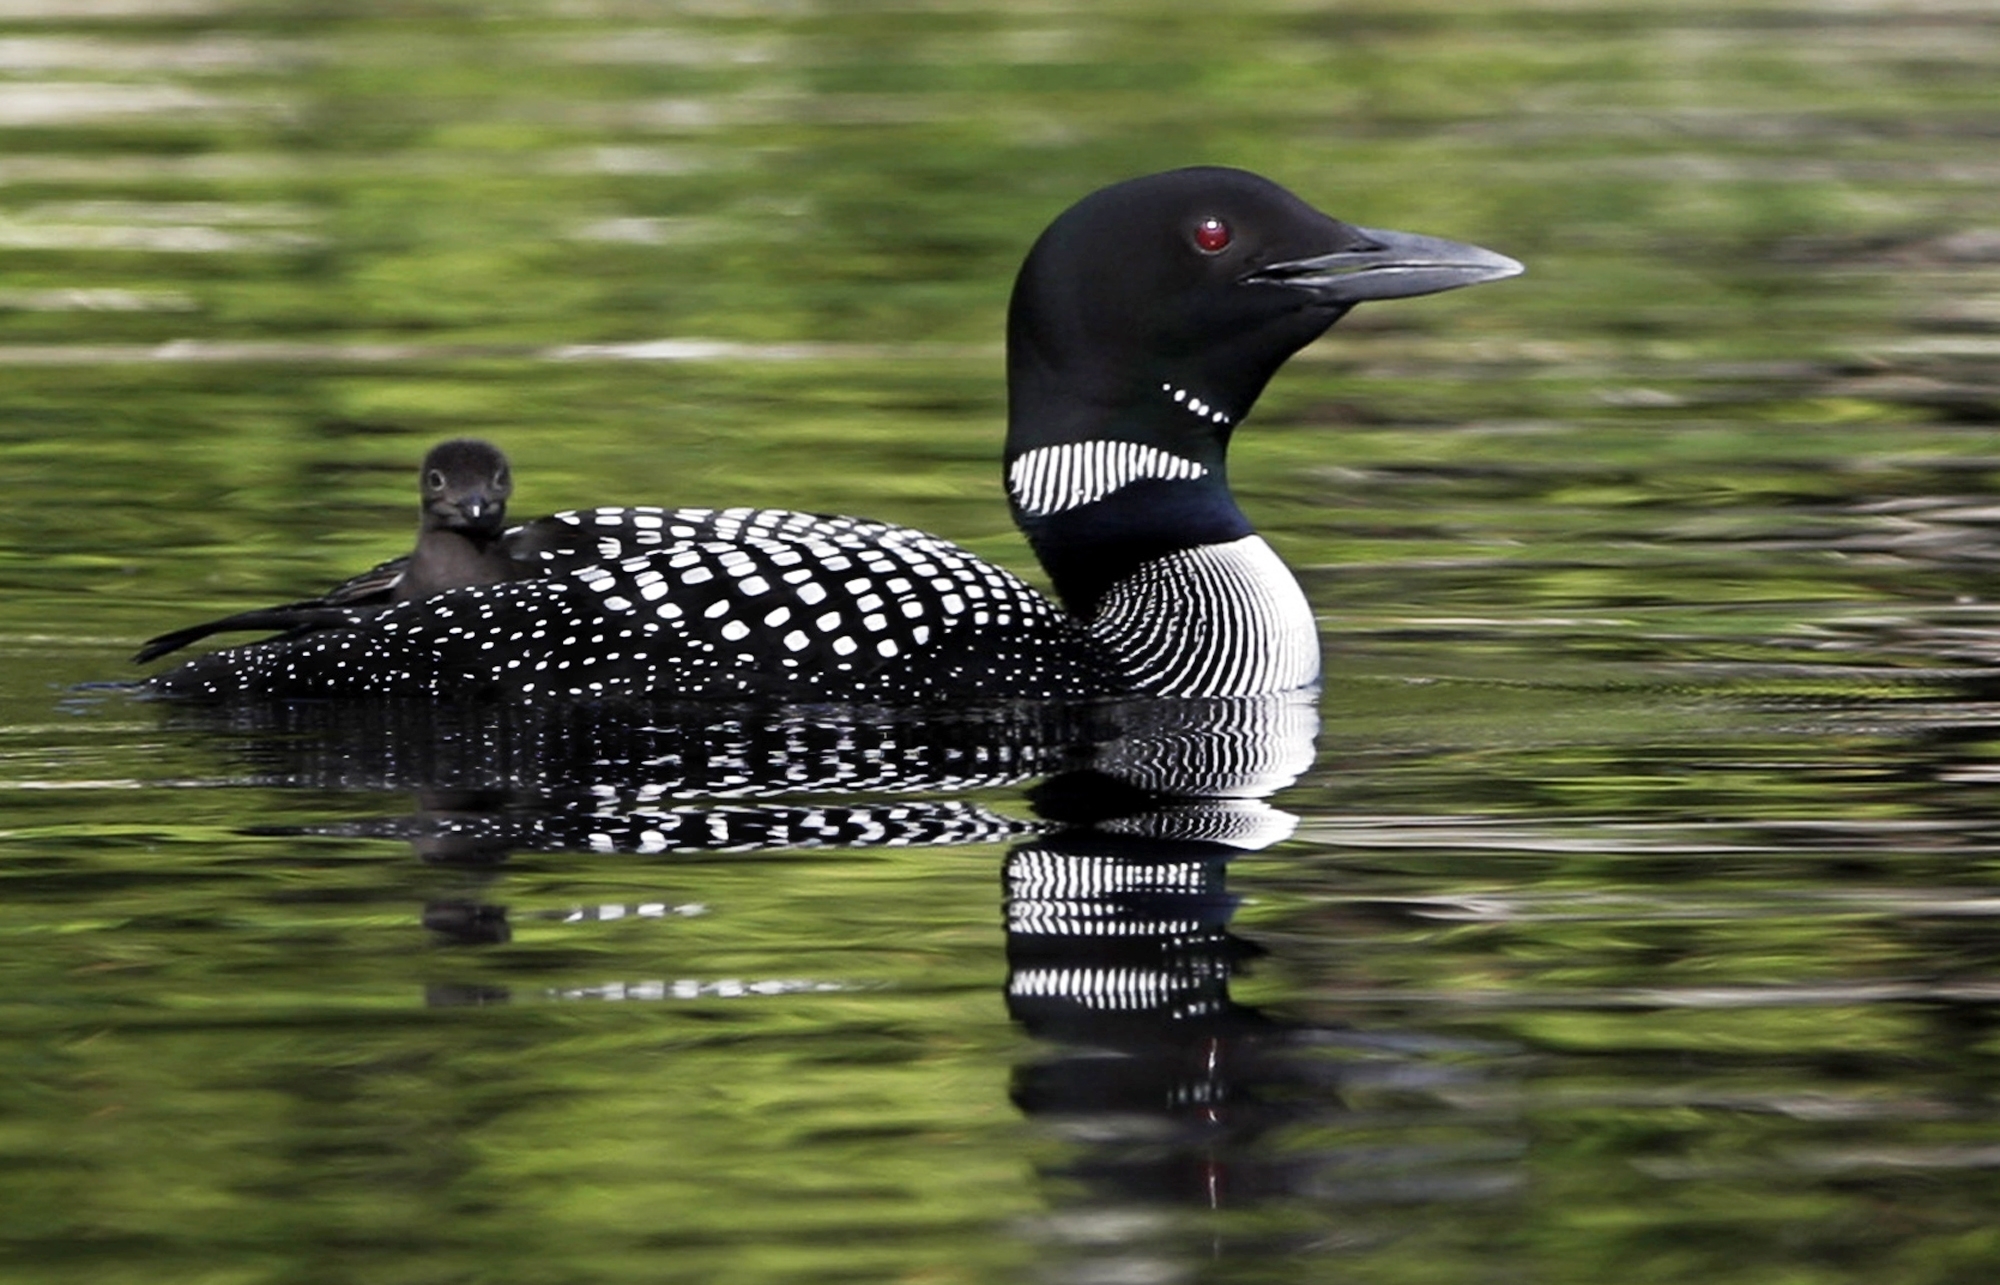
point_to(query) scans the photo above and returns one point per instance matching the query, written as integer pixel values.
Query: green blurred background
(1647, 858)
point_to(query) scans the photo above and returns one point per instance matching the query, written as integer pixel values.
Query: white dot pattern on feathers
(701, 602)
(1195, 405)
(1051, 479)
(1214, 620)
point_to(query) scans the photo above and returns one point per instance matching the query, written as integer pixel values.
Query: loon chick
(464, 485)
(1144, 324)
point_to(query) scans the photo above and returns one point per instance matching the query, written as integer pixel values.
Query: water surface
(1628, 916)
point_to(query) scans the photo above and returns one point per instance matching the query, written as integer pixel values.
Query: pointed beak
(1396, 265)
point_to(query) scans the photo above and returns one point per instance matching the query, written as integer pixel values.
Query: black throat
(1091, 547)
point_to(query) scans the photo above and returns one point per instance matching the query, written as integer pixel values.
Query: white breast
(1215, 620)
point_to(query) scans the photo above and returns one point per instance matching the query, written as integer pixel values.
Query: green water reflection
(1636, 921)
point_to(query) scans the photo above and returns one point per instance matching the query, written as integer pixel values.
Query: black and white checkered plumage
(697, 602)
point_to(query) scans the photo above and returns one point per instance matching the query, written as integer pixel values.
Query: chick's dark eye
(1212, 235)
(500, 478)
(434, 480)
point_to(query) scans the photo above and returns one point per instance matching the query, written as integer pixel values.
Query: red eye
(1212, 235)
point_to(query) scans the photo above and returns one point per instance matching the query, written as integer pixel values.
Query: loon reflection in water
(1119, 948)
(613, 777)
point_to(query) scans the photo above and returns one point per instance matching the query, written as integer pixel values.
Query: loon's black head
(1144, 324)
(465, 483)
(1188, 290)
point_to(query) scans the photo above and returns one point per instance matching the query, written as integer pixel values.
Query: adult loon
(463, 486)
(1144, 324)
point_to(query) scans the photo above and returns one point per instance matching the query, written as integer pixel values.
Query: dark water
(1624, 910)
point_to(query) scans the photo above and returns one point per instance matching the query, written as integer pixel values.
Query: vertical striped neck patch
(1054, 478)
